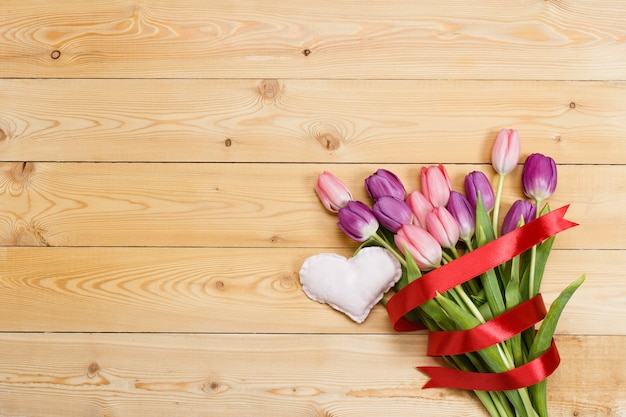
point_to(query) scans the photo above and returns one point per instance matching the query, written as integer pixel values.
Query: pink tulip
(420, 206)
(332, 192)
(421, 245)
(442, 226)
(505, 151)
(436, 185)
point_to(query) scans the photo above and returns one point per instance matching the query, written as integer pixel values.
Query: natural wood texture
(269, 375)
(239, 290)
(328, 39)
(156, 194)
(307, 120)
(248, 205)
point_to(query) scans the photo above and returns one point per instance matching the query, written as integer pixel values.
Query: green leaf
(514, 298)
(483, 221)
(543, 339)
(541, 259)
(491, 284)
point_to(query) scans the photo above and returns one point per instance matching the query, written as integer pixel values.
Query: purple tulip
(422, 246)
(357, 221)
(442, 226)
(384, 183)
(420, 206)
(520, 210)
(436, 184)
(539, 176)
(464, 214)
(505, 151)
(392, 213)
(332, 192)
(475, 182)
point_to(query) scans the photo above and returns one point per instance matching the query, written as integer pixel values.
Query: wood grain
(379, 39)
(294, 120)
(262, 375)
(238, 290)
(157, 163)
(245, 205)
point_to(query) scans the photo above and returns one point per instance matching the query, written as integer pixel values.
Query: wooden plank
(307, 120)
(261, 375)
(333, 39)
(245, 205)
(238, 290)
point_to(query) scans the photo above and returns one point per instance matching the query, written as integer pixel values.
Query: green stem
(383, 242)
(496, 207)
(533, 259)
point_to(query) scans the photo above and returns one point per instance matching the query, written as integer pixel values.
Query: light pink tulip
(421, 245)
(420, 206)
(436, 185)
(332, 192)
(505, 151)
(442, 226)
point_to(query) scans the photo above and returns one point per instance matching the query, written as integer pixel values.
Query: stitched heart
(352, 286)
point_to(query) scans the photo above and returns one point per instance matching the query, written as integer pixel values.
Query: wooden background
(157, 168)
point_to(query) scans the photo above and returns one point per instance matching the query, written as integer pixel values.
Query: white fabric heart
(352, 286)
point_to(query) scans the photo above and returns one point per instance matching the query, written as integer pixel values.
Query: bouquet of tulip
(473, 285)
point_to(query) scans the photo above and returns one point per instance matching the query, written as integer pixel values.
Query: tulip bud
(392, 213)
(421, 245)
(505, 151)
(420, 206)
(332, 192)
(357, 221)
(539, 176)
(520, 210)
(436, 185)
(384, 183)
(464, 214)
(442, 226)
(475, 182)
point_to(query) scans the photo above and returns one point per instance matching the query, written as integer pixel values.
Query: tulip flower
(475, 182)
(442, 226)
(521, 211)
(357, 221)
(539, 177)
(384, 183)
(464, 214)
(422, 246)
(505, 151)
(332, 192)
(436, 185)
(504, 158)
(420, 206)
(392, 213)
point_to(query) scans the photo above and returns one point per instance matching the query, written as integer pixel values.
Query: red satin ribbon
(500, 328)
(494, 331)
(471, 265)
(520, 377)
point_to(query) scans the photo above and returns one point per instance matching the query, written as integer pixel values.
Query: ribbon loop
(494, 331)
(523, 376)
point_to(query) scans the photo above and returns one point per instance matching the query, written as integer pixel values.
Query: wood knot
(285, 282)
(56, 54)
(306, 52)
(22, 171)
(3, 135)
(328, 140)
(93, 369)
(269, 89)
(215, 387)
(572, 105)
